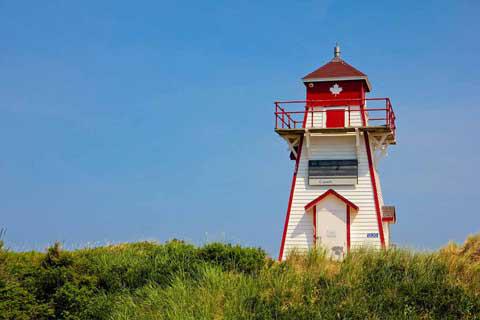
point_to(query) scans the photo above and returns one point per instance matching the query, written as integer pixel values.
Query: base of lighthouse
(336, 214)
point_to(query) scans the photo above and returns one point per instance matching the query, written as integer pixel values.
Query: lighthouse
(337, 137)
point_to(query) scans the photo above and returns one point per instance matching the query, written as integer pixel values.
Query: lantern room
(337, 83)
(336, 100)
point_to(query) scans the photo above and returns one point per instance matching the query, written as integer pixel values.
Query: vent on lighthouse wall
(332, 172)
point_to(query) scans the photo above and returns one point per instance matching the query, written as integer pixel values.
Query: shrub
(177, 280)
(233, 258)
(17, 303)
(128, 267)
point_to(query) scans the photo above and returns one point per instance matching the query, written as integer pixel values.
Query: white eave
(308, 80)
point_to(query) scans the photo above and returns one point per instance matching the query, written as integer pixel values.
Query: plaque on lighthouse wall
(332, 172)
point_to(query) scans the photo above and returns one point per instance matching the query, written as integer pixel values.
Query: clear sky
(124, 121)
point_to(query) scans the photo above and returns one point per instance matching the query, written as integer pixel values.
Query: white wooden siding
(386, 232)
(319, 117)
(300, 228)
(386, 226)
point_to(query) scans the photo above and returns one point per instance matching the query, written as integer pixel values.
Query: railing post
(276, 115)
(390, 109)
(349, 116)
(312, 119)
(387, 113)
(363, 117)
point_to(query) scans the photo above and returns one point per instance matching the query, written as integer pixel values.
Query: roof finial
(336, 51)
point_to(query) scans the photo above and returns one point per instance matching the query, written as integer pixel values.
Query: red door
(335, 118)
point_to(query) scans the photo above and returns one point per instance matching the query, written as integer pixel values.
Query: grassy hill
(176, 280)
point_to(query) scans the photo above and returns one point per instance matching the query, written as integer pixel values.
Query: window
(333, 172)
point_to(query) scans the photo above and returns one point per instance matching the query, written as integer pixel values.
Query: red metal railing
(358, 113)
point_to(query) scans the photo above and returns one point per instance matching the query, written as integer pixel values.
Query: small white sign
(331, 234)
(332, 181)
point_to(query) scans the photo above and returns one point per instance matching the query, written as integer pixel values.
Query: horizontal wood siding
(386, 226)
(386, 231)
(300, 224)
(379, 189)
(319, 118)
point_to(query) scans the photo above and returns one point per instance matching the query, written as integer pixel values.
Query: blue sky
(154, 120)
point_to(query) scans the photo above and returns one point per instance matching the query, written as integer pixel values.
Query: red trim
(362, 112)
(375, 192)
(362, 109)
(294, 180)
(388, 219)
(315, 226)
(287, 218)
(292, 119)
(348, 228)
(332, 192)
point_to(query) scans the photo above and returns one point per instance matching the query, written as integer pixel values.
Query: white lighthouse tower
(336, 137)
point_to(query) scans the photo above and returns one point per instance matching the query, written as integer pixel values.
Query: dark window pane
(333, 168)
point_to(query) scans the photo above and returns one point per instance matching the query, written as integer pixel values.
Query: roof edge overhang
(364, 78)
(391, 220)
(332, 192)
(389, 214)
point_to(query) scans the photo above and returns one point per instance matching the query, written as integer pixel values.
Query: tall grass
(217, 281)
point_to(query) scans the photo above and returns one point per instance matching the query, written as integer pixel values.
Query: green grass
(176, 280)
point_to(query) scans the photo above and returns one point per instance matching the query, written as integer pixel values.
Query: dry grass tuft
(464, 262)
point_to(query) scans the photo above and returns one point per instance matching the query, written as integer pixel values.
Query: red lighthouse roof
(336, 70)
